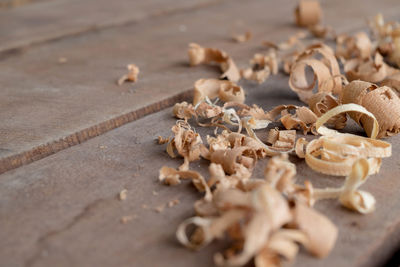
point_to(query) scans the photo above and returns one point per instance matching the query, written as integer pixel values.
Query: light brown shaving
(326, 72)
(380, 101)
(262, 67)
(132, 76)
(212, 88)
(200, 55)
(308, 13)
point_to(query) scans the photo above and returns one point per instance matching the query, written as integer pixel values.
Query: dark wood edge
(42, 151)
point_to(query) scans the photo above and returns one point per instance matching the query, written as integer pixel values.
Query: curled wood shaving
(227, 91)
(326, 72)
(321, 102)
(170, 176)
(380, 101)
(183, 110)
(349, 195)
(280, 173)
(370, 70)
(241, 38)
(186, 142)
(321, 232)
(393, 82)
(308, 13)
(132, 76)
(371, 127)
(200, 55)
(262, 67)
(302, 118)
(357, 46)
(388, 38)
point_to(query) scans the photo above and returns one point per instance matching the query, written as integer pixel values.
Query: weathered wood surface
(64, 211)
(46, 106)
(47, 20)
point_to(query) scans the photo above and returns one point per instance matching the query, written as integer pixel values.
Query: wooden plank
(63, 210)
(17, 3)
(46, 106)
(50, 20)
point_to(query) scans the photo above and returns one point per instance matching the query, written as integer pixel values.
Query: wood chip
(132, 76)
(123, 194)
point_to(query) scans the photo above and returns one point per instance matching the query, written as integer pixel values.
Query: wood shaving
(380, 101)
(267, 219)
(226, 91)
(387, 36)
(186, 142)
(326, 72)
(322, 102)
(200, 55)
(123, 194)
(370, 70)
(349, 195)
(132, 76)
(284, 139)
(262, 67)
(357, 46)
(393, 82)
(241, 38)
(308, 13)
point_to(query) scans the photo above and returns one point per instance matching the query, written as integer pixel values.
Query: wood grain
(64, 210)
(46, 106)
(50, 20)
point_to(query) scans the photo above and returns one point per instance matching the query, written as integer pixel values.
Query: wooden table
(71, 139)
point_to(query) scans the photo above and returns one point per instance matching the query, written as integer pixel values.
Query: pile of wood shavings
(268, 218)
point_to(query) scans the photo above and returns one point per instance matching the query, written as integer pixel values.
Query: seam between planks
(14, 49)
(42, 151)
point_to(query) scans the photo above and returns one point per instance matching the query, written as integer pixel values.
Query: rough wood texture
(46, 106)
(64, 211)
(51, 20)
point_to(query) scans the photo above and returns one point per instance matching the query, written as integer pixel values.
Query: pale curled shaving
(226, 91)
(200, 55)
(132, 76)
(349, 195)
(308, 13)
(382, 102)
(335, 155)
(371, 128)
(322, 102)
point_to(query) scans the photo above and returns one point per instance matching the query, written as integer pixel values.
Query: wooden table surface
(71, 139)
